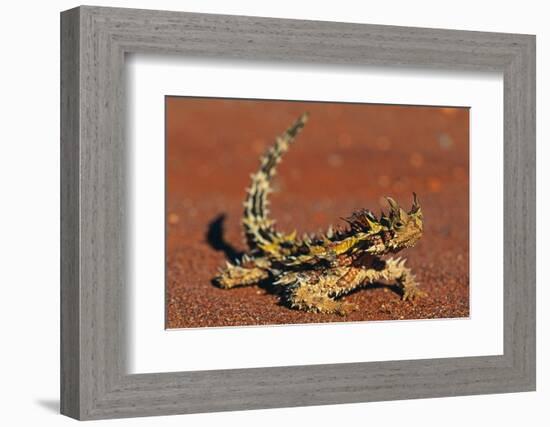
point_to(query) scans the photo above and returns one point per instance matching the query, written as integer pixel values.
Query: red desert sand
(348, 156)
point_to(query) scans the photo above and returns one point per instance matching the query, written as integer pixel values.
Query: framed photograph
(262, 213)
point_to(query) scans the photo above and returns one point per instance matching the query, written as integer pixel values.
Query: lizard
(316, 271)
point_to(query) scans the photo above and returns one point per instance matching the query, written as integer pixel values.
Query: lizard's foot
(411, 292)
(396, 270)
(331, 306)
(235, 275)
(344, 308)
(308, 298)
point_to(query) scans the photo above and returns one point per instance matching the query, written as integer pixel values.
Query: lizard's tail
(259, 228)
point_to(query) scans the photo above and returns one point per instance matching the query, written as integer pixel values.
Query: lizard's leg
(395, 270)
(315, 292)
(245, 274)
(370, 270)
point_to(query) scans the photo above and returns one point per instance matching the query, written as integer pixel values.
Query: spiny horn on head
(416, 206)
(393, 204)
(396, 211)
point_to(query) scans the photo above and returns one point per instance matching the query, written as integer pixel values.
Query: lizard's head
(389, 233)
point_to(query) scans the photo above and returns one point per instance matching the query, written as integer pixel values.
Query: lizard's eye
(398, 224)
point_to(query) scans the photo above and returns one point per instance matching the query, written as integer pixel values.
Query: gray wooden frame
(94, 41)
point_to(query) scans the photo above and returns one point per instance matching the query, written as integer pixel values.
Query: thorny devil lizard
(315, 271)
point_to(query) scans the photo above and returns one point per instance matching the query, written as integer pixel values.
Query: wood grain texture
(70, 314)
(94, 382)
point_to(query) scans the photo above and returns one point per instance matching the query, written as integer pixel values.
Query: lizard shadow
(396, 289)
(216, 239)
